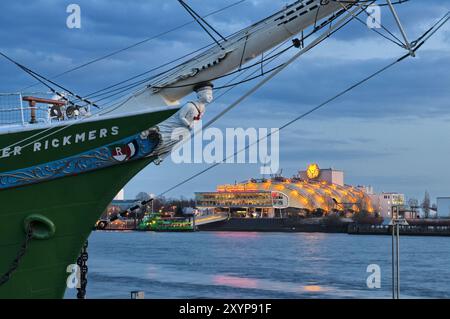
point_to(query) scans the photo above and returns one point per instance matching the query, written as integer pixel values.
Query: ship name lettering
(80, 137)
(64, 141)
(7, 151)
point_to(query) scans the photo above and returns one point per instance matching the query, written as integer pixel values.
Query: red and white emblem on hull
(123, 153)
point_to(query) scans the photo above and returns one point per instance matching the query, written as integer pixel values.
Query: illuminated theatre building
(313, 191)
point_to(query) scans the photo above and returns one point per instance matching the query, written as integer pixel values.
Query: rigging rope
(116, 104)
(419, 43)
(79, 120)
(136, 44)
(126, 88)
(137, 83)
(93, 94)
(327, 22)
(365, 1)
(199, 20)
(82, 119)
(286, 125)
(44, 81)
(313, 44)
(434, 26)
(396, 40)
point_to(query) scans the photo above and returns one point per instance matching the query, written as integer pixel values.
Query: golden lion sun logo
(313, 171)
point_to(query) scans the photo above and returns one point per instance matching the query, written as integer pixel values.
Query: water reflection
(260, 265)
(236, 282)
(313, 288)
(237, 235)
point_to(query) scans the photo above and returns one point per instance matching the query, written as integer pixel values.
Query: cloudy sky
(392, 133)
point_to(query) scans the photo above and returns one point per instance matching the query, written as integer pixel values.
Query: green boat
(61, 164)
(154, 222)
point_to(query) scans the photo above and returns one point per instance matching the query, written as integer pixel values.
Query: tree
(426, 204)
(179, 211)
(142, 196)
(413, 203)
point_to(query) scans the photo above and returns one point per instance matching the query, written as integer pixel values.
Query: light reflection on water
(260, 265)
(314, 288)
(236, 282)
(236, 235)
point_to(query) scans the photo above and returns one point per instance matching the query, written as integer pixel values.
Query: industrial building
(443, 207)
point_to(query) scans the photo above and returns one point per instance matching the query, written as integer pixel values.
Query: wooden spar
(32, 101)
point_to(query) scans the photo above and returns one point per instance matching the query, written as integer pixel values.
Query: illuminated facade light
(313, 171)
(326, 191)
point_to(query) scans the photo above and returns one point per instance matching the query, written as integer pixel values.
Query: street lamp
(396, 221)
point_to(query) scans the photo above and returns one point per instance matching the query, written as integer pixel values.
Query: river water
(261, 265)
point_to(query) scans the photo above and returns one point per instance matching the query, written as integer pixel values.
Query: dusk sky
(392, 133)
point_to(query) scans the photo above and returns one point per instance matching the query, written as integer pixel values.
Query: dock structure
(209, 219)
(410, 230)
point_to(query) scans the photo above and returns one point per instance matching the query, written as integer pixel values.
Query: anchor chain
(20, 254)
(82, 263)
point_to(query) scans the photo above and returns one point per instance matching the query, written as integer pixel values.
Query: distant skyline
(391, 133)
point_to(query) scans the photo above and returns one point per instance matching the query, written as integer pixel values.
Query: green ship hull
(71, 199)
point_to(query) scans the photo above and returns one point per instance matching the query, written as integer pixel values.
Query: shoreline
(316, 225)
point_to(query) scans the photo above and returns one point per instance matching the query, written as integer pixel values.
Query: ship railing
(11, 109)
(32, 108)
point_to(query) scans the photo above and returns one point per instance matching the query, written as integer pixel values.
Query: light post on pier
(397, 221)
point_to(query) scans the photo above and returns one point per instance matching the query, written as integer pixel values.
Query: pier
(131, 224)
(221, 222)
(411, 230)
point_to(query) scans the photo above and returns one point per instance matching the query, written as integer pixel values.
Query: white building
(383, 202)
(366, 189)
(443, 207)
(328, 175)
